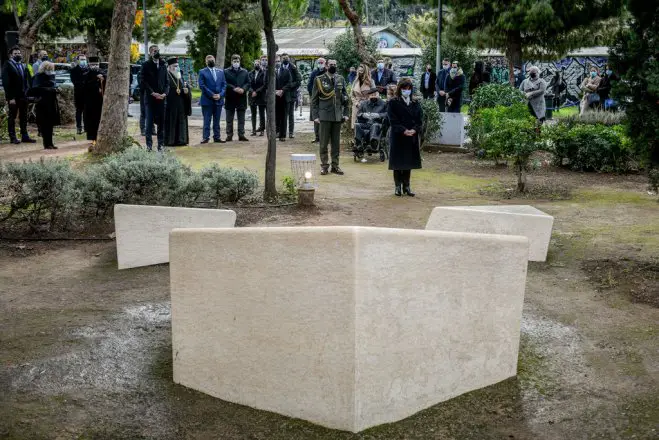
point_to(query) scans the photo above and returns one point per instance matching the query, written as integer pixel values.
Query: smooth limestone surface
(346, 327)
(453, 130)
(142, 232)
(522, 220)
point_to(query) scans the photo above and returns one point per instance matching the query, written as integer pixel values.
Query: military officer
(329, 108)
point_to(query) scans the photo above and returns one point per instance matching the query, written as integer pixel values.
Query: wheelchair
(372, 138)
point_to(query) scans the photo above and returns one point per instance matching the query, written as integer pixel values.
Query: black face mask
(374, 100)
(332, 69)
(285, 63)
(156, 55)
(18, 58)
(257, 67)
(44, 58)
(210, 63)
(534, 75)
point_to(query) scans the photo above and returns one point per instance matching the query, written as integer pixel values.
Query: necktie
(214, 75)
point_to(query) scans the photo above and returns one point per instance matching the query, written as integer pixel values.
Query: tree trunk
(514, 54)
(270, 191)
(28, 30)
(222, 34)
(90, 38)
(520, 170)
(112, 131)
(360, 41)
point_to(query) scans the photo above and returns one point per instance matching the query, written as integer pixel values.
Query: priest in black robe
(94, 85)
(177, 108)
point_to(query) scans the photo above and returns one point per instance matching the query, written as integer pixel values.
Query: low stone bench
(346, 327)
(142, 231)
(522, 220)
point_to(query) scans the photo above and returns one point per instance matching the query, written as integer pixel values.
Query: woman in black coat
(47, 111)
(405, 121)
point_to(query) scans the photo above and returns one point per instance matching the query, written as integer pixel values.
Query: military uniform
(329, 104)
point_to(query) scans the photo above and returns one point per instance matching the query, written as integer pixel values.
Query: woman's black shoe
(398, 190)
(408, 191)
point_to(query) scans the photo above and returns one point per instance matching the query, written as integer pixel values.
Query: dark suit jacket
(210, 87)
(14, 83)
(78, 76)
(154, 78)
(258, 82)
(236, 79)
(430, 91)
(387, 78)
(440, 84)
(285, 81)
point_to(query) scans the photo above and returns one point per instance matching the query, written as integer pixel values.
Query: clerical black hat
(94, 59)
(171, 61)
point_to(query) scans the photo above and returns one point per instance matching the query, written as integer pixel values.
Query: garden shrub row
(50, 192)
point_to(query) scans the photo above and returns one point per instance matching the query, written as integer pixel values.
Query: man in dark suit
(156, 84)
(15, 83)
(213, 88)
(258, 82)
(238, 87)
(78, 80)
(382, 77)
(440, 84)
(297, 80)
(319, 70)
(427, 86)
(284, 85)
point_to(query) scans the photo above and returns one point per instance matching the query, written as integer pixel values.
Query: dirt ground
(85, 349)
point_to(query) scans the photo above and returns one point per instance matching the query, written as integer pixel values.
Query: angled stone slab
(346, 327)
(522, 220)
(453, 130)
(142, 232)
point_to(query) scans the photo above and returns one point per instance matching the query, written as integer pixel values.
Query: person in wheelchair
(371, 123)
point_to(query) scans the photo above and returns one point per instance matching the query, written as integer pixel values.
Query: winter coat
(358, 94)
(258, 82)
(536, 88)
(430, 91)
(236, 78)
(604, 88)
(47, 110)
(454, 88)
(404, 151)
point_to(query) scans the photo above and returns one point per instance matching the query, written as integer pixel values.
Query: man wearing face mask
(177, 108)
(78, 80)
(382, 77)
(15, 84)
(284, 83)
(519, 76)
(42, 56)
(94, 80)
(329, 108)
(440, 84)
(156, 83)
(370, 119)
(352, 75)
(258, 82)
(319, 70)
(293, 91)
(238, 87)
(604, 88)
(454, 87)
(427, 86)
(213, 87)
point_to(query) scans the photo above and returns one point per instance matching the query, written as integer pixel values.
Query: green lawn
(196, 93)
(566, 112)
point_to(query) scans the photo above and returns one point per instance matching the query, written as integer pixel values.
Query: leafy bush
(228, 185)
(492, 95)
(3, 124)
(483, 123)
(585, 147)
(432, 120)
(653, 177)
(344, 50)
(38, 193)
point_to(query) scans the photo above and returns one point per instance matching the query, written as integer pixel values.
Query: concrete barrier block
(346, 327)
(142, 232)
(453, 130)
(522, 220)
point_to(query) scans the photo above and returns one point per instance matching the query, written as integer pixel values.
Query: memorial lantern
(304, 167)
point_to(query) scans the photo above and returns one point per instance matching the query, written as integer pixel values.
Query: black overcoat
(404, 153)
(47, 110)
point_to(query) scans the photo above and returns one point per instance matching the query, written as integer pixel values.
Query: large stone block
(498, 219)
(142, 232)
(453, 130)
(346, 327)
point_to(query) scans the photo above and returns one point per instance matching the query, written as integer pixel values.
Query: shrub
(39, 193)
(432, 120)
(492, 95)
(482, 124)
(344, 50)
(517, 139)
(590, 147)
(653, 177)
(598, 117)
(3, 124)
(228, 185)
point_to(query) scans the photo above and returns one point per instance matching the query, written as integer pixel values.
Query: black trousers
(402, 177)
(47, 134)
(291, 117)
(17, 110)
(261, 114)
(281, 116)
(316, 128)
(231, 112)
